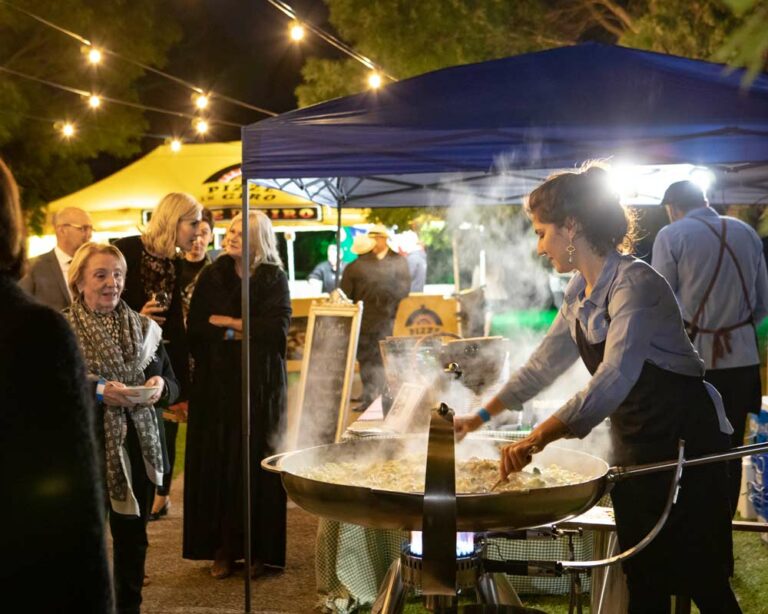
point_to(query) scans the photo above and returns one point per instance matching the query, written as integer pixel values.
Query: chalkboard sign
(326, 373)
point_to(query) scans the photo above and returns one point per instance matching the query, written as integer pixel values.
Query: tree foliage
(45, 165)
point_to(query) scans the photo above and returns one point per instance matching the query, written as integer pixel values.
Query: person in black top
(152, 287)
(54, 551)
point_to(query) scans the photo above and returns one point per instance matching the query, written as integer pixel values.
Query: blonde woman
(213, 492)
(152, 288)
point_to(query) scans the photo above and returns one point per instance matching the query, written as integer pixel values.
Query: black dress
(213, 492)
(54, 553)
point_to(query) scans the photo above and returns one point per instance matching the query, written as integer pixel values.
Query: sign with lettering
(327, 368)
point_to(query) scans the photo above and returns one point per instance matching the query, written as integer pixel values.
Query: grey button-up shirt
(633, 310)
(685, 253)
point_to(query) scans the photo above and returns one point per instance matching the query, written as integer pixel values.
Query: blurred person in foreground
(189, 269)
(213, 472)
(122, 348)
(54, 552)
(621, 318)
(379, 277)
(716, 268)
(46, 276)
(153, 288)
(325, 272)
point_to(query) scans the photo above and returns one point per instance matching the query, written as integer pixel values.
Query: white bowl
(140, 394)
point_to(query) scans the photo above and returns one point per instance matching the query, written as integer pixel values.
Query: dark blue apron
(695, 544)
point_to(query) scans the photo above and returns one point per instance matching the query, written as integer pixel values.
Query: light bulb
(68, 129)
(94, 101)
(374, 80)
(296, 31)
(201, 102)
(175, 145)
(94, 56)
(201, 126)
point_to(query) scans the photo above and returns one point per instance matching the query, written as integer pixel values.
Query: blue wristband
(230, 334)
(100, 386)
(484, 415)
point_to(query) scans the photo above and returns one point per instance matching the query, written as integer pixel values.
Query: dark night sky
(239, 48)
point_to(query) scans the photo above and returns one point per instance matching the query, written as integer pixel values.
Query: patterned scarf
(123, 362)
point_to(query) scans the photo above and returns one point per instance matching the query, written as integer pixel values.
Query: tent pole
(245, 394)
(339, 203)
(457, 278)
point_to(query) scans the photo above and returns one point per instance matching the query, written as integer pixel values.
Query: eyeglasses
(86, 228)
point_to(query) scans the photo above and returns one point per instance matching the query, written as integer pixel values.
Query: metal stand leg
(495, 589)
(391, 598)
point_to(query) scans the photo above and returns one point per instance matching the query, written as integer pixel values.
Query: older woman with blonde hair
(152, 288)
(53, 507)
(213, 488)
(122, 350)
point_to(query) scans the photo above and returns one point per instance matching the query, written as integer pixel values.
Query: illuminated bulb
(94, 56)
(175, 145)
(702, 177)
(201, 101)
(201, 126)
(374, 80)
(297, 31)
(94, 101)
(68, 129)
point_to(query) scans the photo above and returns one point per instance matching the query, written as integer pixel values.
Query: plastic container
(745, 508)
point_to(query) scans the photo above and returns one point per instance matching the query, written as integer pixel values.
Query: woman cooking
(621, 318)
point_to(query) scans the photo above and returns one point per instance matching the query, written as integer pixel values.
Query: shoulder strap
(696, 316)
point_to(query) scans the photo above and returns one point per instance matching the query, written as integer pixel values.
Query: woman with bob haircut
(53, 502)
(621, 318)
(152, 285)
(213, 482)
(122, 348)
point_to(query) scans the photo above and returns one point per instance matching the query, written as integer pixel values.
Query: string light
(201, 101)
(297, 31)
(201, 126)
(175, 145)
(94, 56)
(374, 80)
(88, 45)
(94, 101)
(68, 129)
(285, 8)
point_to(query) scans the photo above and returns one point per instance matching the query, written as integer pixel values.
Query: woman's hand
(155, 380)
(463, 425)
(517, 455)
(152, 308)
(115, 395)
(221, 321)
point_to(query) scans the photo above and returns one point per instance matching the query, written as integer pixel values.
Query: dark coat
(54, 554)
(380, 284)
(173, 328)
(213, 468)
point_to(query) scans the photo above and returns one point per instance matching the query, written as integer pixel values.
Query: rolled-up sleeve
(555, 354)
(627, 346)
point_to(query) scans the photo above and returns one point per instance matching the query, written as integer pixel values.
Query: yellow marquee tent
(210, 172)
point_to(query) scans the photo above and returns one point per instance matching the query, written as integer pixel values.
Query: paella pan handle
(639, 546)
(616, 474)
(270, 463)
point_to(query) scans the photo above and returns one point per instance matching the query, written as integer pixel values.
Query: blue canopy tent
(496, 129)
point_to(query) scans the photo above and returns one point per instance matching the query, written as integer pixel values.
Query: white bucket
(745, 508)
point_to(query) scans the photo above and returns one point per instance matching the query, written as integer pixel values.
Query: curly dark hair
(586, 197)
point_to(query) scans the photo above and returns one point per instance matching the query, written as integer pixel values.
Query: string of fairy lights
(200, 120)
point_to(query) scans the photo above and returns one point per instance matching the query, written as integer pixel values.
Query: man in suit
(47, 274)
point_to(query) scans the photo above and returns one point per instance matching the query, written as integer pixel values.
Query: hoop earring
(571, 249)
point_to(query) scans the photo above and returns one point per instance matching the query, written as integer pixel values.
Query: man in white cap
(379, 277)
(46, 275)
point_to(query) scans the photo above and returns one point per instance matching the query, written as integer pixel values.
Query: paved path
(180, 586)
